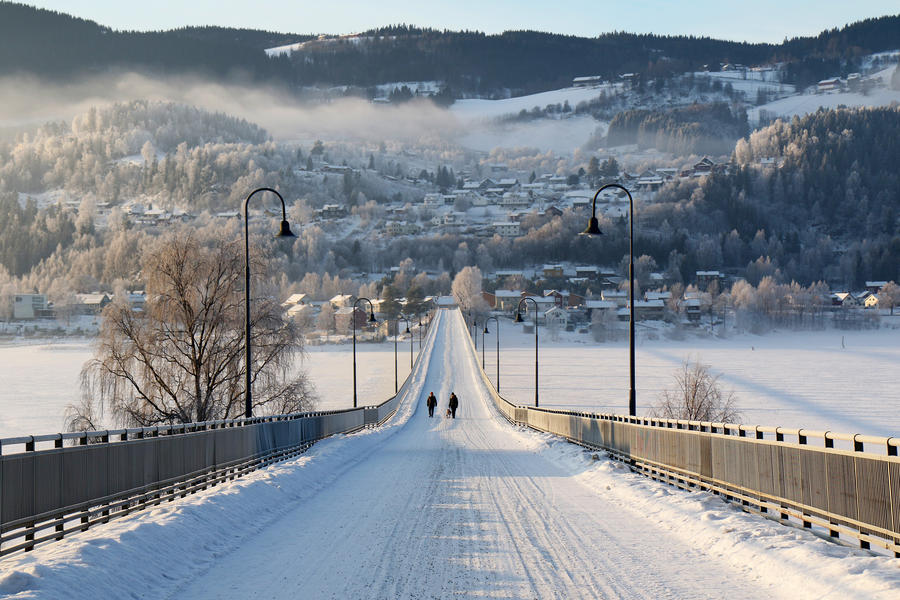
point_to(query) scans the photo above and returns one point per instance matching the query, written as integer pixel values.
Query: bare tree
(890, 293)
(181, 358)
(697, 397)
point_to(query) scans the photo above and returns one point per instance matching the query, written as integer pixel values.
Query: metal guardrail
(49, 490)
(47, 493)
(844, 484)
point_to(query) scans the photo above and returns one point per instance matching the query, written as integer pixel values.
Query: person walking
(431, 402)
(454, 404)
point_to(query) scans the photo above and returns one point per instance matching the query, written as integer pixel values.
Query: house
(30, 306)
(588, 272)
(692, 309)
(619, 297)
(507, 300)
(560, 297)
(705, 278)
(342, 319)
(552, 271)
(875, 286)
(331, 211)
(341, 301)
(705, 165)
(844, 299)
(657, 296)
(829, 85)
(91, 304)
(507, 229)
(644, 310)
(556, 317)
(872, 301)
(294, 300)
(598, 305)
(587, 81)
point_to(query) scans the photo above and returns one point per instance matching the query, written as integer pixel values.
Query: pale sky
(740, 20)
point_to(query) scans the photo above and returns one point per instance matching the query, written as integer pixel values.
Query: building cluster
(496, 204)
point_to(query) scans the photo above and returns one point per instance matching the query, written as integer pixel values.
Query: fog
(31, 101)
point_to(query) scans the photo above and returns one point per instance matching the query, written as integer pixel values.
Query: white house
(556, 317)
(507, 228)
(29, 306)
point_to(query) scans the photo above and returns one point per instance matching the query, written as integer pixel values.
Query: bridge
(408, 506)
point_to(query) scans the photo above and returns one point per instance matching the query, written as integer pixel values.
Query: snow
(804, 104)
(788, 379)
(435, 508)
(480, 109)
(791, 379)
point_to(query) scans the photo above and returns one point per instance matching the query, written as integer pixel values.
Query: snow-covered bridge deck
(438, 508)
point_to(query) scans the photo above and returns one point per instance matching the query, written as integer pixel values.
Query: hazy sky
(756, 21)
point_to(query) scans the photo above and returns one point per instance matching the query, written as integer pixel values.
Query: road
(467, 507)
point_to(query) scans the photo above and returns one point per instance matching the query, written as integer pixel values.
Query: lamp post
(520, 320)
(594, 229)
(285, 231)
(420, 335)
(353, 318)
(498, 347)
(397, 335)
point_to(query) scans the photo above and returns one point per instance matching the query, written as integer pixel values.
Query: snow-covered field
(479, 109)
(804, 104)
(434, 508)
(842, 381)
(829, 380)
(40, 380)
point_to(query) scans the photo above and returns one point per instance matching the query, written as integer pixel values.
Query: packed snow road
(450, 507)
(437, 508)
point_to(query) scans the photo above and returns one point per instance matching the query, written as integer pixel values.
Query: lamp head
(519, 318)
(593, 227)
(372, 317)
(407, 329)
(285, 230)
(486, 329)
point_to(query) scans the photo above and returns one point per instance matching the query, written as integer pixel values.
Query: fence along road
(47, 494)
(464, 507)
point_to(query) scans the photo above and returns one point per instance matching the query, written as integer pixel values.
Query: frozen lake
(830, 380)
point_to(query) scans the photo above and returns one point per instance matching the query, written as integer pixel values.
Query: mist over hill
(50, 44)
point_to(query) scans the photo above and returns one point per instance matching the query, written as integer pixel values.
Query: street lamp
(420, 335)
(519, 319)
(396, 335)
(353, 318)
(498, 347)
(285, 231)
(594, 229)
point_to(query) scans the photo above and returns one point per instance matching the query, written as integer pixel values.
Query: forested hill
(837, 188)
(52, 44)
(55, 45)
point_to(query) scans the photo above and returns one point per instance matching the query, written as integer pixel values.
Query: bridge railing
(53, 485)
(842, 484)
(56, 484)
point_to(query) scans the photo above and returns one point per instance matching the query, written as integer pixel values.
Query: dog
(448, 414)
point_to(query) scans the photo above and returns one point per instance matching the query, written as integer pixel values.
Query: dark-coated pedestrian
(454, 404)
(431, 402)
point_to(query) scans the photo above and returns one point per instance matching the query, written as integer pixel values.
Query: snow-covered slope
(434, 508)
(803, 104)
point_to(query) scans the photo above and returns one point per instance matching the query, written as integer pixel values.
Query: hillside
(471, 63)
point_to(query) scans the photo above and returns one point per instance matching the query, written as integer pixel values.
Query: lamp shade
(593, 227)
(285, 230)
(519, 317)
